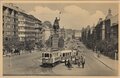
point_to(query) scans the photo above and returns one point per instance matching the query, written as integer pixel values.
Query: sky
(73, 15)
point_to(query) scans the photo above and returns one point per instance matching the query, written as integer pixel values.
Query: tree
(29, 45)
(47, 24)
(102, 46)
(9, 44)
(40, 44)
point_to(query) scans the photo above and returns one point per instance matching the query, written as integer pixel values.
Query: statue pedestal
(55, 42)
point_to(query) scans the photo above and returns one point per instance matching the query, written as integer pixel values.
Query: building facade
(10, 25)
(18, 26)
(104, 36)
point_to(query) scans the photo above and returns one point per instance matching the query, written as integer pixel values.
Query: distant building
(77, 34)
(68, 34)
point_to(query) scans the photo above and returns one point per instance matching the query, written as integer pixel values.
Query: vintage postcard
(60, 38)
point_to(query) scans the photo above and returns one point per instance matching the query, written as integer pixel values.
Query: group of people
(78, 60)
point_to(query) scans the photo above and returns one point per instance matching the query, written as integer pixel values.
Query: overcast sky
(73, 15)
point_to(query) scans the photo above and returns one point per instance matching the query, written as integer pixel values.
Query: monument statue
(56, 25)
(55, 37)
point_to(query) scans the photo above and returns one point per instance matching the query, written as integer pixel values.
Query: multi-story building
(105, 33)
(114, 29)
(39, 30)
(107, 23)
(10, 24)
(18, 26)
(29, 28)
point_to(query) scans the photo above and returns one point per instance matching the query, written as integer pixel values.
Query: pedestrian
(73, 60)
(65, 62)
(68, 63)
(76, 60)
(98, 54)
(82, 58)
(79, 62)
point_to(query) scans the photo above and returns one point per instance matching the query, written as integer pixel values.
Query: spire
(109, 15)
(59, 15)
(100, 20)
(109, 11)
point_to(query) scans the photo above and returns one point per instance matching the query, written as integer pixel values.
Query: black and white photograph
(50, 38)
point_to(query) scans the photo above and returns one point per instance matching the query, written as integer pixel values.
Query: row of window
(26, 23)
(24, 38)
(9, 19)
(27, 28)
(50, 55)
(9, 26)
(9, 33)
(66, 54)
(26, 33)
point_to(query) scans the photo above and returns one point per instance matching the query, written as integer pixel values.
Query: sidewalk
(110, 63)
(21, 52)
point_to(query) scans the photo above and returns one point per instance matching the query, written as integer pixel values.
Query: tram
(55, 57)
(66, 54)
(50, 58)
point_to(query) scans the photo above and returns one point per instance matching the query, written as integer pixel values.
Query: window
(8, 33)
(46, 55)
(6, 38)
(8, 26)
(8, 19)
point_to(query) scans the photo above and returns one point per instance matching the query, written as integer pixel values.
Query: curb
(104, 63)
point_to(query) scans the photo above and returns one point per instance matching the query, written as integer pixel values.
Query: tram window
(46, 55)
(50, 55)
(63, 54)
